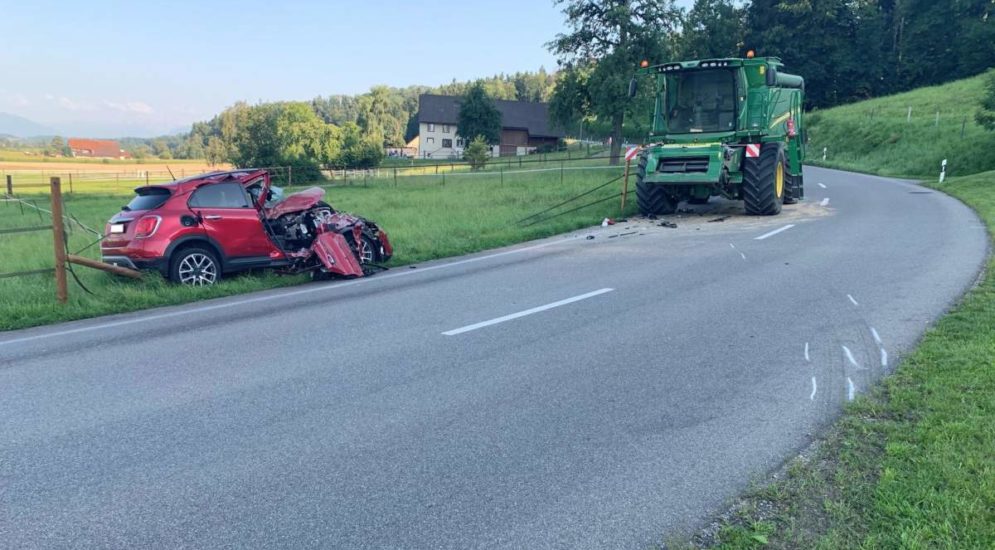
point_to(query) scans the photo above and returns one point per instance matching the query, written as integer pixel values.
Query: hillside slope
(877, 136)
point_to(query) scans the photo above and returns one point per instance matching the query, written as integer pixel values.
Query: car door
(232, 222)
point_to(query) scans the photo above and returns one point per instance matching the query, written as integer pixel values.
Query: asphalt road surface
(569, 393)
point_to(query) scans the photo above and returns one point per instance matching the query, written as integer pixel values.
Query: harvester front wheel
(764, 180)
(796, 190)
(651, 198)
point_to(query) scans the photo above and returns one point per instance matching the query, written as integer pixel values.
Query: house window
(447, 143)
(445, 128)
(460, 143)
(430, 141)
(431, 127)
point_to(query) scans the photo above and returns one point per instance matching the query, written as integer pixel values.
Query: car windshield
(701, 101)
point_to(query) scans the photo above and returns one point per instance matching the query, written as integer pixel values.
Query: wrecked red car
(197, 229)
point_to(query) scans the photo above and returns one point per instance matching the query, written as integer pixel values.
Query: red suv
(197, 229)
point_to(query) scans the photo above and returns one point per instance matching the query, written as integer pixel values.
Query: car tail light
(146, 226)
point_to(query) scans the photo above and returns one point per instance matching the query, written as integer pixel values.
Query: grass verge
(427, 217)
(910, 465)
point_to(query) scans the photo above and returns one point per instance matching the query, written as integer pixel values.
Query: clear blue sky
(141, 68)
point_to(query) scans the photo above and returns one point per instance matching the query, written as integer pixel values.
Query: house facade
(525, 127)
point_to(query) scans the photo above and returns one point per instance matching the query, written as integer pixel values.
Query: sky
(110, 69)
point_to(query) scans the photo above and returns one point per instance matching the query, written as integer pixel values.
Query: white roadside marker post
(824, 150)
(943, 170)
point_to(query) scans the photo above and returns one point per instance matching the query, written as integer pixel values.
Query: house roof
(97, 147)
(519, 115)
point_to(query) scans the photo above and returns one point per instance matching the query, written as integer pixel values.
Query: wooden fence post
(10, 185)
(290, 176)
(58, 237)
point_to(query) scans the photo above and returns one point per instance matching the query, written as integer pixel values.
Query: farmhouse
(525, 127)
(97, 148)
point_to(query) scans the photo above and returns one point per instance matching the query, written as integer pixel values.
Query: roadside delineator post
(58, 238)
(824, 151)
(943, 170)
(10, 185)
(630, 153)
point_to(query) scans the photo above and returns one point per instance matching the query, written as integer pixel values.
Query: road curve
(569, 393)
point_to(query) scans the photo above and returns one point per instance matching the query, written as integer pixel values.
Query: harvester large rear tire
(764, 180)
(652, 199)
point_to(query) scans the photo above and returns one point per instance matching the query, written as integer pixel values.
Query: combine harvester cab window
(701, 101)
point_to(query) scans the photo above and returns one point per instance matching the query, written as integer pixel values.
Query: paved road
(569, 393)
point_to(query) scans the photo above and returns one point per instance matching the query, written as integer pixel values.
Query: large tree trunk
(616, 149)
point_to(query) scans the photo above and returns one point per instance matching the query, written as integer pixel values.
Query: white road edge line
(822, 185)
(806, 353)
(774, 232)
(825, 202)
(812, 397)
(308, 290)
(526, 312)
(849, 389)
(852, 300)
(849, 357)
(743, 255)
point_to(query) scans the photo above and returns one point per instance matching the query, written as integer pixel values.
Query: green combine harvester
(723, 127)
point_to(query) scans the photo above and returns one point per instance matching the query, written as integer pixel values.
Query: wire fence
(20, 182)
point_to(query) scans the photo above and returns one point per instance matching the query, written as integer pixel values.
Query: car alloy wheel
(198, 270)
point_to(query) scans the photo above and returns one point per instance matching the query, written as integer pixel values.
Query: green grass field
(876, 136)
(912, 464)
(427, 217)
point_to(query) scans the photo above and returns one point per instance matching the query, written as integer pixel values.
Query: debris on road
(719, 219)
(671, 225)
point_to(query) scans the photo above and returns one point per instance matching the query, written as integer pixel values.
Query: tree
(478, 116)
(56, 147)
(477, 153)
(986, 114)
(713, 28)
(616, 35)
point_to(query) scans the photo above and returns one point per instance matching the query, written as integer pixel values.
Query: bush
(477, 153)
(986, 114)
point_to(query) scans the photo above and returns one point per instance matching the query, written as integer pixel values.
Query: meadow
(427, 216)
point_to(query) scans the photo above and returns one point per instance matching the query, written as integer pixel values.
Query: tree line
(847, 50)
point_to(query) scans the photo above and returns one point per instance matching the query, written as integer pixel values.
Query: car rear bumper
(155, 264)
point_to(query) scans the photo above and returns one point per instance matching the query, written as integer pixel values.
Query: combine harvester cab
(722, 127)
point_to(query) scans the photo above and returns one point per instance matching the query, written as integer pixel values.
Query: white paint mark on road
(884, 358)
(852, 300)
(526, 312)
(774, 232)
(849, 357)
(743, 255)
(812, 397)
(274, 296)
(806, 353)
(849, 389)
(822, 185)
(732, 246)
(877, 338)
(825, 202)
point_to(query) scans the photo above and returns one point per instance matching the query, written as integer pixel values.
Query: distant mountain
(22, 127)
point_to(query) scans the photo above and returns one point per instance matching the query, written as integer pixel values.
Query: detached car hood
(298, 202)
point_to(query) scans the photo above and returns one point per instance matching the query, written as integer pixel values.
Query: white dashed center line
(825, 202)
(774, 232)
(512, 316)
(822, 185)
(852, 300)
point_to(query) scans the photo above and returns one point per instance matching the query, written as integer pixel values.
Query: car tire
(764, 181)
(194, 266)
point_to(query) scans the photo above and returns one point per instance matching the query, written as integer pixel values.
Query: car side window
(219, 195)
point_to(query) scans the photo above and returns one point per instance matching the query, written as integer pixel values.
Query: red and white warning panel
(631, 152)
(752, 150)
